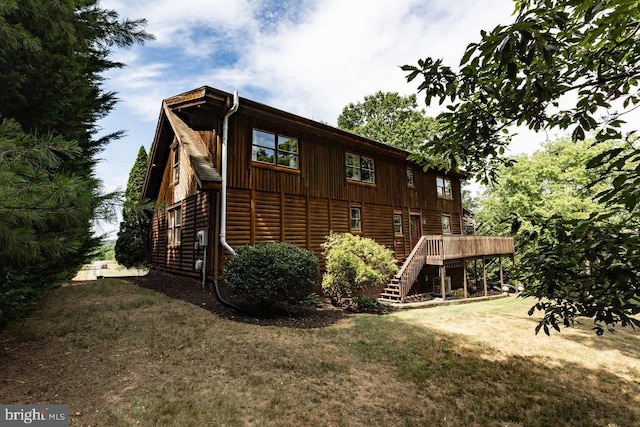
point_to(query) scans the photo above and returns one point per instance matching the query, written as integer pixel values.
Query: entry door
(415, 229)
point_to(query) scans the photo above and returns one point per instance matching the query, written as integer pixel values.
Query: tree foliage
(133, 239)
(51, 59)
(559, 65)
(390, 118)
(564, 64)
(552, 182)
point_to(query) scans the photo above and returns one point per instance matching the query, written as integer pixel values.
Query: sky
(307, 57)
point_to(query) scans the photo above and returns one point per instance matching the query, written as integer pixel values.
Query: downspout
(223, 195)
(223, 172)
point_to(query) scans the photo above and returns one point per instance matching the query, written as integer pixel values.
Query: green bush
(353, 263)
(365, 304)
(271, 272)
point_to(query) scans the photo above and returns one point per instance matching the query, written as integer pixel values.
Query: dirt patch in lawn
(284, 315)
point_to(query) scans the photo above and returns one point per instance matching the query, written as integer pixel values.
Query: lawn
(123, 355)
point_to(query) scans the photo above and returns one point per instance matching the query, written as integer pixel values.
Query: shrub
(353, 263)
(365, 304)
(272, 272)
(312, 300)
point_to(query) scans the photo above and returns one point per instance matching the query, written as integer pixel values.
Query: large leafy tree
(52, 55)
(131, 246)
(390, 118)
(566, 64)
(552, 182)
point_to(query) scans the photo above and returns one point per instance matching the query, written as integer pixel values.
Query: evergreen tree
(131, 246)
(52, 56)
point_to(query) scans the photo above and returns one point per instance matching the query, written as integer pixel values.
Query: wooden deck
(435, 250)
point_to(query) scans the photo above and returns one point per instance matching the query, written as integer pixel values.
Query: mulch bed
(190, 290)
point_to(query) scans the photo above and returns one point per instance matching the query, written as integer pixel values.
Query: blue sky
(309, 57)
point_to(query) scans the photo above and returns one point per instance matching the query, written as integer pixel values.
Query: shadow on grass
(625, 340)
(469, 385)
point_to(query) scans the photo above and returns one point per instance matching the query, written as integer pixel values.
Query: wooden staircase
(428, 250)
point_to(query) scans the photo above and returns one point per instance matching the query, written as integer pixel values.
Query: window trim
(410, 177)
(442, 218)
(360, 168)
(441, 190)
(396, 232)
(276, 150)
(357, 209)
(174, 228)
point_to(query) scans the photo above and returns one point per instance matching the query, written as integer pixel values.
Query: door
(415, 229)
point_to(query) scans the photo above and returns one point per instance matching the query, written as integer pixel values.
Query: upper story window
(176, 164)
(410, 182)
(174, 226)
(443, 186)
(274, 149)
(360, 168)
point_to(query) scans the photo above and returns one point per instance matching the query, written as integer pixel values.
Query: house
(227, 172)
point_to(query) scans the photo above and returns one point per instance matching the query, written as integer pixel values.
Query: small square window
(356, 219)
(397, 224)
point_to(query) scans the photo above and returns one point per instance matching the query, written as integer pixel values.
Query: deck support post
(484, 277)
(464, 278)
(501, 275)
(475, 272)
(443, 289)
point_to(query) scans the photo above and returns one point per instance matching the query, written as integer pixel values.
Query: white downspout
(223, 172)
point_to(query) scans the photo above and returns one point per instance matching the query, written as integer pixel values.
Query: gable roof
(170, 125)
(206, 173)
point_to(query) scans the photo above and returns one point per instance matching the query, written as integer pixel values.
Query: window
(397, 224)
(274, 149)
(356, 219)
(174, 231)
(410, 177)
(443, 186)
(176, 164)
(446, 224)
(360, 168)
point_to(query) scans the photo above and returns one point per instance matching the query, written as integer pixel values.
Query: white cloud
(335, 53)
(309, 57)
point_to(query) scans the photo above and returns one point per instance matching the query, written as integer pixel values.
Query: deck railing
(412, 266)
(459, 246)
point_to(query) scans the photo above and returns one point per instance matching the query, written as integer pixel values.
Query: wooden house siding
(272, 204)
(180, 258)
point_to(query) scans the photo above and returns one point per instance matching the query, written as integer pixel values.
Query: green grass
(121, 355)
